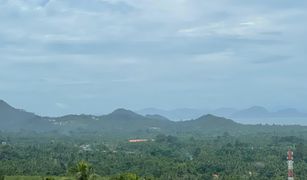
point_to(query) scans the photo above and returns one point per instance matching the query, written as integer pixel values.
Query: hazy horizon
(67, 56)
(186, 114)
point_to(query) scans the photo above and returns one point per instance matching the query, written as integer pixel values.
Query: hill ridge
(119, 121)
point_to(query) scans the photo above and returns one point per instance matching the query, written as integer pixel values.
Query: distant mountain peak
(121, 114)
(254, 111)
(207, 116)
(122, 111)
(13, 119)
(4, 104)
(261, 112)
(210, 117)
(212, 122)
(257, 108)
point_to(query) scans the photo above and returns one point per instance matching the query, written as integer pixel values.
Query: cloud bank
(97, 55)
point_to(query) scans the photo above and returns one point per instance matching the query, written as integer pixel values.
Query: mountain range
(252, 112)
(119, 122)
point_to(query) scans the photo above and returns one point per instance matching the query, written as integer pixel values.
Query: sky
(93, 56)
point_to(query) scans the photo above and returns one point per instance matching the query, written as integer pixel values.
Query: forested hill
(13, 119)
(124, 122)
(210, 123)
(12, 114)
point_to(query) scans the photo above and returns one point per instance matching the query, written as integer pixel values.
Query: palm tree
(83, 171)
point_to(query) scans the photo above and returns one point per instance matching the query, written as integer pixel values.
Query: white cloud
(220, 58)
(232, 28)
(103, 45)
(248, 23)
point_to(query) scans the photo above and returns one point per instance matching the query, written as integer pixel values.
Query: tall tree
(83, 171)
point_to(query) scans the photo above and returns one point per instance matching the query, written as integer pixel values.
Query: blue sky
(92, 56)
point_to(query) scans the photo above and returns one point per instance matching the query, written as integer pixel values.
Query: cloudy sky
(92, 56)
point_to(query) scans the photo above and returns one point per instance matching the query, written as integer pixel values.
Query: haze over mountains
(122, 121)
(252, 112)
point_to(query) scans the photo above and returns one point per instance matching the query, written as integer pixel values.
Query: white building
(3, 143)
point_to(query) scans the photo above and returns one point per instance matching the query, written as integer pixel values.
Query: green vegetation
(88, 156)
(84, 147)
